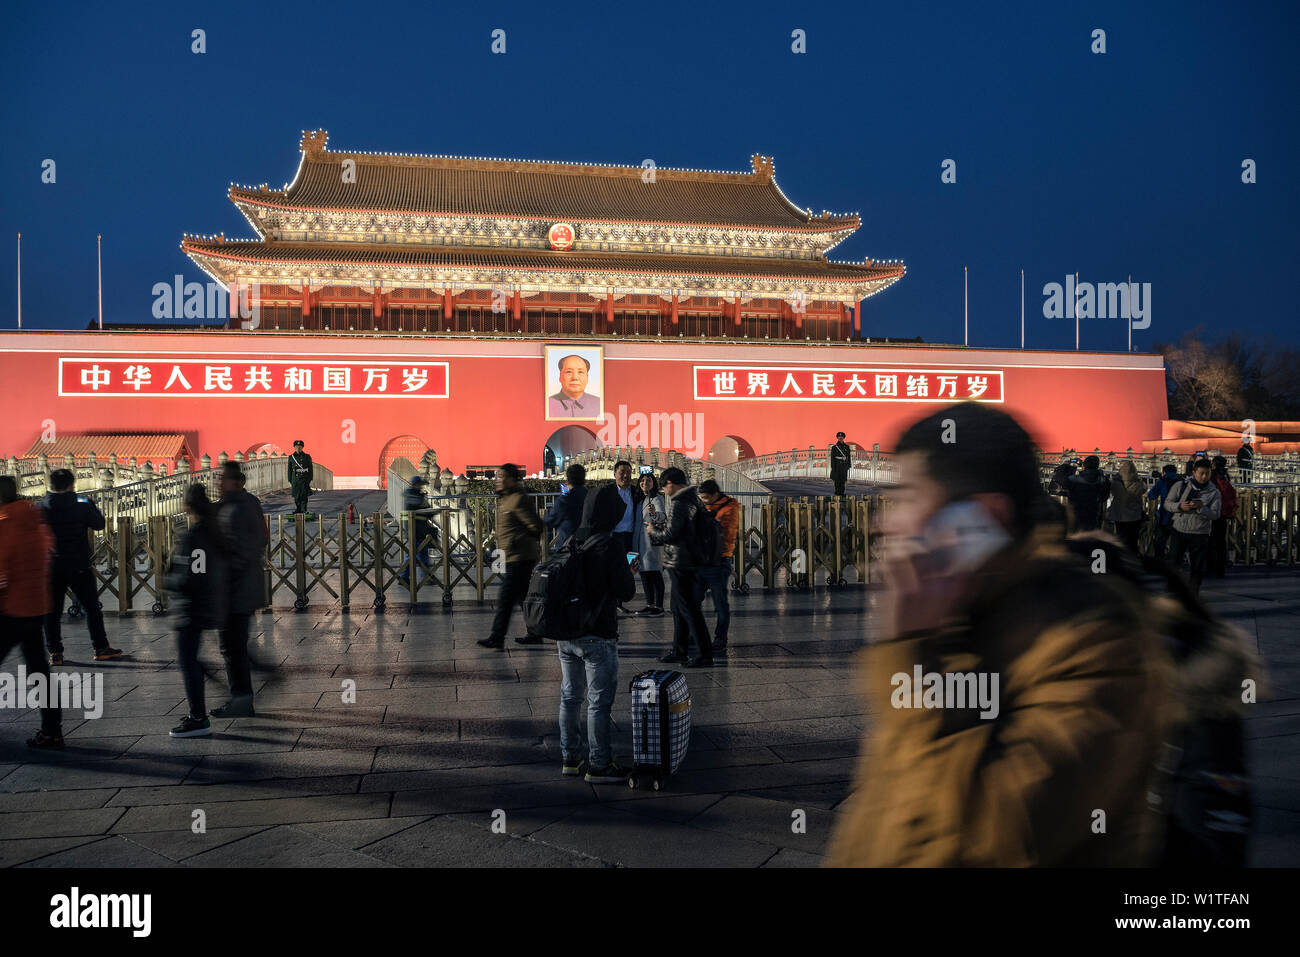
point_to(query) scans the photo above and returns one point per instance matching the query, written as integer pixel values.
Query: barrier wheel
(631, 781)
(446, 598)
(830, 580)
(744, 588)
(842, 583)
(158, 608)
(379, 602)
(300, 603)
(655, 783)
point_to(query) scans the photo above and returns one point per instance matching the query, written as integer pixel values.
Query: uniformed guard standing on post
(300, 475)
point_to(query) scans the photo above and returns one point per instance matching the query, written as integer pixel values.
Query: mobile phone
(564, 489)
(958, 538)
(631, 557)
(82, 498)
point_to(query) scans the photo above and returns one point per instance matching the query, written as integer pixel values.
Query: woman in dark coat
(198, 580)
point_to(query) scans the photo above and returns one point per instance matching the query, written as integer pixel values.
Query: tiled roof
(539, 190)
(358, 254)
(124, 445)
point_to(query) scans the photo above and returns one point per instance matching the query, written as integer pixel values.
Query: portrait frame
(554, 401)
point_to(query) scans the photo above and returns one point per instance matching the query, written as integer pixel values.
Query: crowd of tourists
(216, 576)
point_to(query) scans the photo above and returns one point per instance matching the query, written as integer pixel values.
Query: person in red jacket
(25, 544)
(717, 578)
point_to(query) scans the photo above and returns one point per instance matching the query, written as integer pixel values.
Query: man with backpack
(71, 518)
(1216, 562)
(585, 586)
(691, 541)
(1194, 503)
(1164, 522)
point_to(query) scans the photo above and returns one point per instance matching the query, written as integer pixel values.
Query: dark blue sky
(1127, 162)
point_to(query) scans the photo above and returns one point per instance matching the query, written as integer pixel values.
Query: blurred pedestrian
(25, 543)
(565, 513)
(1246, 459)
(1194, 503)
(1006, 674)
(652, 513)
(716, 579)
(1126, 498)
(1163, 522)
(519, 530)
(71, 519)
(1088, 492)
(426, 533)
(198, 579)
(1216, 561)
(242, 527)
(683, 556)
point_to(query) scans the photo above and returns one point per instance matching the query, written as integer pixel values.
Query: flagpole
(1130, 312)
(99, 257)
(1022, 308)
(965, 308)
(1076, 311)
(20, 280)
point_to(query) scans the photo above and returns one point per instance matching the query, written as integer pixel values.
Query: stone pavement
(443, 733)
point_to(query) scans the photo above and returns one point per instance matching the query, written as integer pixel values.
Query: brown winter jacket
(519, 527)
(1079, 725)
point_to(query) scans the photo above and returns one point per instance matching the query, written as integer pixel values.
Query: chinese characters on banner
(284, 378)
(856, 384)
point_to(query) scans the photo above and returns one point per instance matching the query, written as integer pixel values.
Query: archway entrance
(566, 442)
(270, 448)
(410, 447)
(730, 449)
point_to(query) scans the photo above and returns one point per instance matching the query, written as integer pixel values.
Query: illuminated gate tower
(442, 244)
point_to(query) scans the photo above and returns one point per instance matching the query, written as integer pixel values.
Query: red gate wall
(495, 410)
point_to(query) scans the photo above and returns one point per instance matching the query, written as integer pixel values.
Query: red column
(736, 308)
(857, 319)
(447, 300)
(516, 307)
(799, 314)
(379, 305)
(306, 306)
(232, 314)
(609, 309)
(674, 312)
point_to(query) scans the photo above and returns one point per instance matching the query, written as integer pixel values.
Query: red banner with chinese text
(847, 384)
(284, 378)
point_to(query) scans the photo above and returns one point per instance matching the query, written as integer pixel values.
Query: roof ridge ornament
(314, 141)
(764, 167)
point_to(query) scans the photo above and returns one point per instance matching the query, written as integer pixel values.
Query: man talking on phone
(1012, 691)
(1194, 503)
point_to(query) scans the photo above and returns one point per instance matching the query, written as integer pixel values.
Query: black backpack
(1204, 788)
(556, 605)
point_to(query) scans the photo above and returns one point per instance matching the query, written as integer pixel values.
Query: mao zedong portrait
(573, 401)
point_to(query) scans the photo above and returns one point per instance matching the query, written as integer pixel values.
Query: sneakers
(56, 658)
(650, 611)
(192, 727)
(572, 767)
(106, 653)
(46, 742)
(611, 774)
(492, 642)
(528, 640)
(235, 708)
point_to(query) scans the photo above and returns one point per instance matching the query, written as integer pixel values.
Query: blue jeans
(717, 579)
(590, 669)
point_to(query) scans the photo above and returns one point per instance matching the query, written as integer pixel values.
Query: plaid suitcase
(661, 725)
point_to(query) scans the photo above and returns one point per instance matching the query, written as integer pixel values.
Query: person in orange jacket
(717, 578)
(25, 544)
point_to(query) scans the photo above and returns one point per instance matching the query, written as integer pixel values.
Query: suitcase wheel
(631, 781)
(655, 782)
